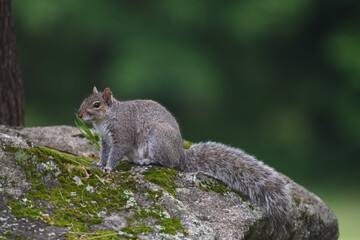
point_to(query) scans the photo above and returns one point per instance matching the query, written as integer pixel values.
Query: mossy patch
(187, 144)
(133, 231)
(8, 233)
(67, 192)
(168, 225)
(171, 225)
(154, 195)
(218, 187)
(162, 177)
(124, 166)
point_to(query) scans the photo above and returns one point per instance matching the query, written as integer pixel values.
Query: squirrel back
(146, 133)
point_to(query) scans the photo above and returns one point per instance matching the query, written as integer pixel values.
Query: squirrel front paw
(111, 165)
(102, 168)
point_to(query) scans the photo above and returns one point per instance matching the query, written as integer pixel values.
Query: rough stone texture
(203, 214)
(61, 137)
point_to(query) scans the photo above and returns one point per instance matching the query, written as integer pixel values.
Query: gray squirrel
(146, 133)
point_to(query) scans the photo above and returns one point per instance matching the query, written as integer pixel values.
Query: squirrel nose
(80, 114)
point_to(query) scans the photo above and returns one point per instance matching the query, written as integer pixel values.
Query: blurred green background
(277, 78)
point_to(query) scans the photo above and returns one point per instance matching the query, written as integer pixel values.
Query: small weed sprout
(86, 132)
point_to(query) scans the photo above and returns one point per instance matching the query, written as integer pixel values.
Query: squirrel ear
(95, 90)
(107, 95)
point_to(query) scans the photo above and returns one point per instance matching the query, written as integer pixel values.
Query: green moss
(162, 177)
(34, 214)
(143, 228)
(66, 191)
(153, 195)
(20, 209)
(74, 206)
(218, 187)
(8, 233)
(62, 158)
(155, 212)
(15, 206)
(171, 225)
(72, 218)
(124, 166)
(133, 231)
(187, 144)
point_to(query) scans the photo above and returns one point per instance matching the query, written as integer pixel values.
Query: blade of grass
(93, 139)
(86, 132)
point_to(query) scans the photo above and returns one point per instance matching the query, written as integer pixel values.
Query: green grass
(86, 132)
(345, 203)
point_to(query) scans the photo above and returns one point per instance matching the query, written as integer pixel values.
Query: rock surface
(47, 194)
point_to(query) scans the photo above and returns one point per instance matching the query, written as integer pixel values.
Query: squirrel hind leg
(165, 145)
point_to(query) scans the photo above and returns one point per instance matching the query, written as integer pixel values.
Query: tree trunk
(11, 88)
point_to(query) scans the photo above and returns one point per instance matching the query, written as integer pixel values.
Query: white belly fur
(104, 133)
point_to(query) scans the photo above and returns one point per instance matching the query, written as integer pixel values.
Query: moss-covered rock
(67, 192)
(50, 194)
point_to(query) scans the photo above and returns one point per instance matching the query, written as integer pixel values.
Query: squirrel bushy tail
(242, 172)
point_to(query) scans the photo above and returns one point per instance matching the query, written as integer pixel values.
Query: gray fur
(245, 174)
(147, 133)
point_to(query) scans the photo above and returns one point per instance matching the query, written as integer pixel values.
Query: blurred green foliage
(278, 78)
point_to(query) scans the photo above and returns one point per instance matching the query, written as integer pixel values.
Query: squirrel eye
(96, 105)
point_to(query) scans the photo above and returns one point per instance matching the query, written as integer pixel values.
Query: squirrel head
(94, 107)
